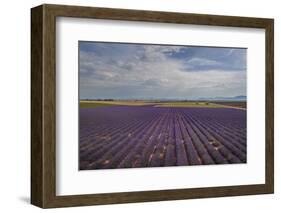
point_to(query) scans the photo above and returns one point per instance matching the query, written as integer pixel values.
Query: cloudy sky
(143, 71)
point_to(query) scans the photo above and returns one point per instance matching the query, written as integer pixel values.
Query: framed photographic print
(136, 106)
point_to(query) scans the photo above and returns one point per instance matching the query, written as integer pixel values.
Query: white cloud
(149, 72)
(202, 62)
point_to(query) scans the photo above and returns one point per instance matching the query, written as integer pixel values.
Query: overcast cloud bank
(140, 71)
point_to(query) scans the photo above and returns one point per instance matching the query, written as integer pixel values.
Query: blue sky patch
(145, 71)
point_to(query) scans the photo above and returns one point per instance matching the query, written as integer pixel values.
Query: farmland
(215, 104)
(155, 134)
(239, 104)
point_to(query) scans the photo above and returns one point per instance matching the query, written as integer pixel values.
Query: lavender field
(149, 136)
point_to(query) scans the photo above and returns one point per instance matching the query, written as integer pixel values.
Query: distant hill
(235, 98)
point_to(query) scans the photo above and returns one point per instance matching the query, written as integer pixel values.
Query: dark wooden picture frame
(43, 105)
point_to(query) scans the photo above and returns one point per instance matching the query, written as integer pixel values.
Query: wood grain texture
(43, 105)
(36, 106)
(269, 118)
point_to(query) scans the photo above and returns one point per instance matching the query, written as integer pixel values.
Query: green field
(92, 104)
(188, 104)
(200, 104)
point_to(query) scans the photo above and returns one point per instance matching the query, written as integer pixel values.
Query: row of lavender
(131, 137)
